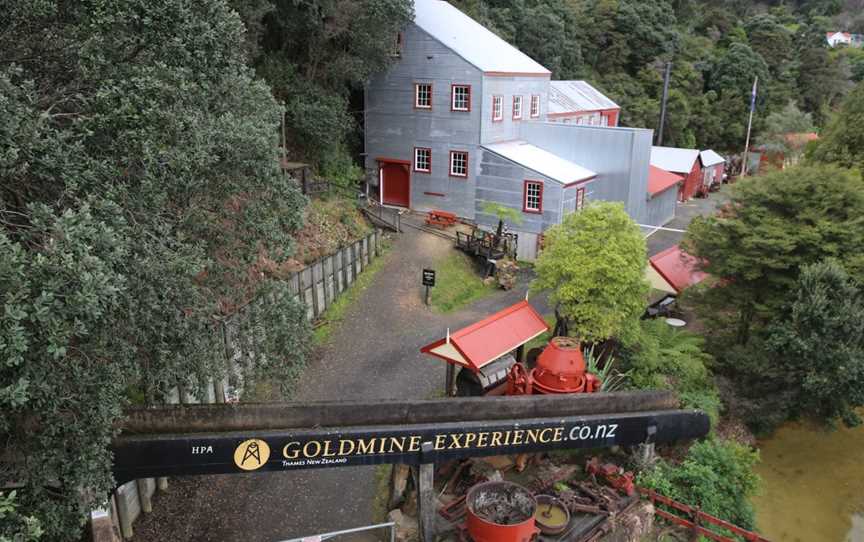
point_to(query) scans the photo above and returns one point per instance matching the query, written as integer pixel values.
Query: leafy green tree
(772, 226)
(594, 265)
(842, 141)
(316, 55)
(141, 205)
(818, 346)
(781, 129)
(716, 476)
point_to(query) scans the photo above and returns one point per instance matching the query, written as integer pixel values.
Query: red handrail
(698, 516)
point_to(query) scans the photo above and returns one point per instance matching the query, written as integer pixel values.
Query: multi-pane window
(423, 95)
(422, 159)
(497, 108)
(458, 163)
(533, 202)
(580, 199)
(517, 107)
(535, 106)
(460, 98)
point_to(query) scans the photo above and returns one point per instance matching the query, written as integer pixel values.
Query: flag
(753, 95)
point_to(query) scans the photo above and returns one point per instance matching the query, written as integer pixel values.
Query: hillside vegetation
(716, 49)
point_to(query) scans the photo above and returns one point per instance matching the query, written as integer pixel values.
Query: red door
(396, 183)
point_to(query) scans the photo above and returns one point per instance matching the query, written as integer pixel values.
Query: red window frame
(525, 208)
(417, 96)
(453, 98)
(535, 99)
(580, 199)
(500, 118)
(450, 165)
(414, 161)
(521, 107)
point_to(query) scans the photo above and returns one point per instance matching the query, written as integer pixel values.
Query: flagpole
(749, 126)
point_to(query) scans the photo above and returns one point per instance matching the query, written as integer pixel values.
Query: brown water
(813, 485)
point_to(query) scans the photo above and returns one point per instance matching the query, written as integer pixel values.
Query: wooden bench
(442, 219)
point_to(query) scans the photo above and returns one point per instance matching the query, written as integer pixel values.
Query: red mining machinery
(490, 356)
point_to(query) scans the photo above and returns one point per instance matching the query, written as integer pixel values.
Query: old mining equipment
(560, 369)
(489, 357)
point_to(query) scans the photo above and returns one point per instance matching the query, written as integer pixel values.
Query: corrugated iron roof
(471, 40)
(674, 159)
(483, 342)
(576, 96)
(660, 180)
(543, 162)
(677, 267)
(710, 158)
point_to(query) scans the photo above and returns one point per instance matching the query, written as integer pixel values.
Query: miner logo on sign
(251, 454)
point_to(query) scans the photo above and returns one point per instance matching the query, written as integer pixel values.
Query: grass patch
(457, 283)
(336, 312)
(381, 501)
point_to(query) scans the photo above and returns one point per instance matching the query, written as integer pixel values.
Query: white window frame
(497, 108)
(417, 95)
(535, 106)
(539, 195)
(428, 152)
(580, 198)
(517, 111)
(453, 155)
(467, 98)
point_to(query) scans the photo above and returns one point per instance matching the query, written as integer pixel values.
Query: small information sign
(428, 277)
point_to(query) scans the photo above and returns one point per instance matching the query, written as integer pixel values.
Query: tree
(141, 206)
(782, 129)
(818, 346)
(594, 265)
(842, 141)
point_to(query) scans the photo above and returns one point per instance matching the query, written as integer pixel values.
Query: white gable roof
(574, 96)
(471, 40)
(674, 159)
(543, 162)
(710, 158)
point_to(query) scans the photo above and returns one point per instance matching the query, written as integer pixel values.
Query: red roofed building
(660, 180)
(483, 342)
(673, 270)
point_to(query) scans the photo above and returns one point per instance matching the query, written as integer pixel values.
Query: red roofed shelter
(481, 347)
(660, 180)
(673, 270)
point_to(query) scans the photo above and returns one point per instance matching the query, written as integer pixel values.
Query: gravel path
(373, 353)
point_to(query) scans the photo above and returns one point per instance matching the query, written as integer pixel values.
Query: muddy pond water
(813, 485)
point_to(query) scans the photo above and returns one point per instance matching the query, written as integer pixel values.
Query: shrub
(716, 475)
(661, 357)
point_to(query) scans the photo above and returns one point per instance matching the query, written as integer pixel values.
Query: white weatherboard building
(462, 118)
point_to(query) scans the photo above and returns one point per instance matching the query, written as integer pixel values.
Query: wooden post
(426, 493)
(449, 379)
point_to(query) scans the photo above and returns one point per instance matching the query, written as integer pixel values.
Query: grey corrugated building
(460, 120)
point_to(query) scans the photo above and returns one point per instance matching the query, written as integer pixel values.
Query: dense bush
(716, 476)
(141, 205)
(658, 356)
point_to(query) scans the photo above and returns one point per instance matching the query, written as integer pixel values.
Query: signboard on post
(428, 277)
(428, 281)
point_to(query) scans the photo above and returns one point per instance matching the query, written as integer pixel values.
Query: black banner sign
(167, 455)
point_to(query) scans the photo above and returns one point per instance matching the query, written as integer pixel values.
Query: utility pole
(749, 126)
(663, 104)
